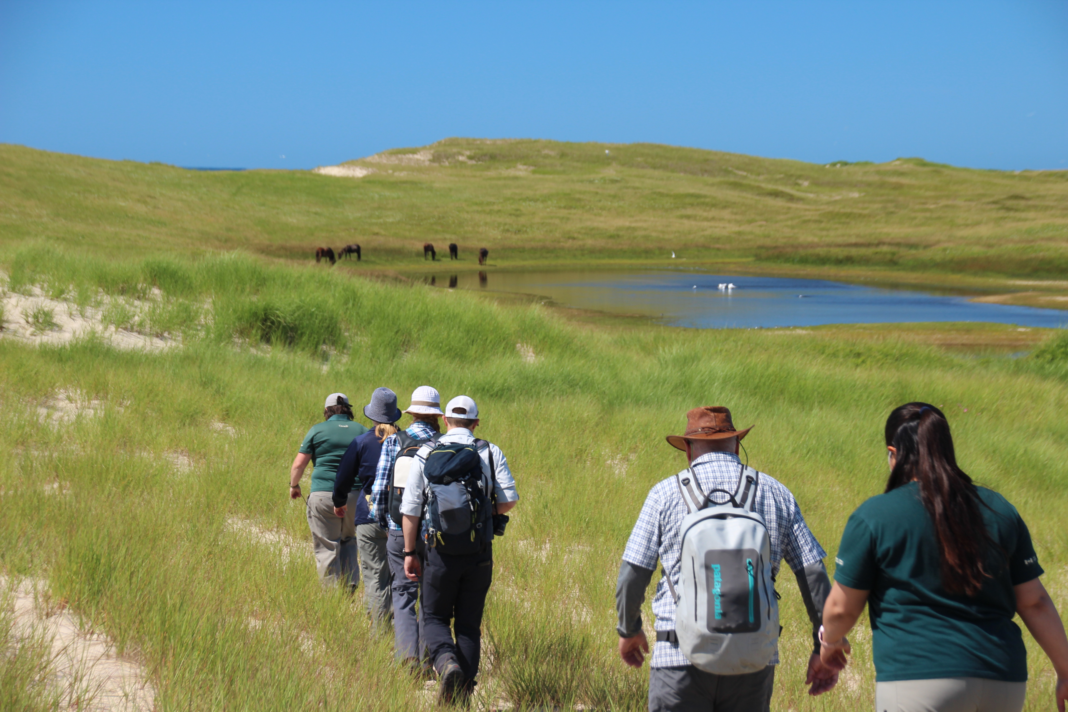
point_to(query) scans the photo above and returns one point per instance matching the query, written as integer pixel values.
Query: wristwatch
(406, 554)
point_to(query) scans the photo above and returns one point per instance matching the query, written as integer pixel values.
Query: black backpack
(398, 476)
(458, 512)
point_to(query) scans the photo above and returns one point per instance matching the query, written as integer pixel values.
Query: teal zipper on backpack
(752, 586)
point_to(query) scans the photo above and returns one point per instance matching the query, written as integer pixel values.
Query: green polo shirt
(327, 442)
(919, 630)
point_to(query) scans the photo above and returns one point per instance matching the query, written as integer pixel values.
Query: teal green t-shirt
(919, 630)
(327, 442)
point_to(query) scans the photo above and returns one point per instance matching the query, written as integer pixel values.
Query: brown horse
(348, 250)
(325, 252)
(454, 251)
(483, 255)
(428, 249)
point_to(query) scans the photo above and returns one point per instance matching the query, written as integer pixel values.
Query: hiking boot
(450, 682)
(463, 695)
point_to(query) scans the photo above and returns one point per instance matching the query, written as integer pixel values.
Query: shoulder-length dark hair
(920, 434)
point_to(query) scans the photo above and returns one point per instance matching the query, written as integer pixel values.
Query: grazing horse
(349, 250)
(428, 249)
(325, 252)
(454, 251)
(483, 255)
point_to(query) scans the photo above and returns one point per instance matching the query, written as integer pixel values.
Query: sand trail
(85, 669)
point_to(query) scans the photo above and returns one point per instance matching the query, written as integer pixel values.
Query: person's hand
(412, 568)
(634, 649)
(835, 657)
(294, 492)
(340, 511)
(1062, 693)
(820, 678)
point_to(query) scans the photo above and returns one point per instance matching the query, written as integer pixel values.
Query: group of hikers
(944, 565)
(415, 512)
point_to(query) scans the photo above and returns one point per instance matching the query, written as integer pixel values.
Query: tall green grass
(149, 554)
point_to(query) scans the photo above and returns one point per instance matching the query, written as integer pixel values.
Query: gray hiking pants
(687, 689)
(333, 540)
(951, 694)
(374, 566)
(407, 619)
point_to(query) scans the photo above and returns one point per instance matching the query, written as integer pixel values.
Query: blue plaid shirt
(380, 490)
(656, 536)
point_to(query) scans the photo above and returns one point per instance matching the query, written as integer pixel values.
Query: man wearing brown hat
(711, 444)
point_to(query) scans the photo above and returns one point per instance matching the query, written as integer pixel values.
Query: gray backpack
(726, 616)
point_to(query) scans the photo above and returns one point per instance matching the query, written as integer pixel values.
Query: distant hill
(535, 200)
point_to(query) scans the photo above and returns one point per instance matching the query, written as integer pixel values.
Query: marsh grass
(570, 202)
(41, 318)
(146, 551)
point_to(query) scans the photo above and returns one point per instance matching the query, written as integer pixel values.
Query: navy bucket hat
(383, 406)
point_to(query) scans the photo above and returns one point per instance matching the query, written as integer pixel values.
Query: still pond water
(697, 301)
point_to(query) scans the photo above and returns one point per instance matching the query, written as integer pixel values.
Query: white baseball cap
(462, 407)
(336, 399)
(425, 400)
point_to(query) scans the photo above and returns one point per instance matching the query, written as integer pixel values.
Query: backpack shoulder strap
(481, 445)
(692, 496)
(750, 478)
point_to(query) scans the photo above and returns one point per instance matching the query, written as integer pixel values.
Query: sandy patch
(526, 352)
(344, 171)
(419, 158)
(221, 427)
(179, 461)
(38, 319)
(85, 667)
(67, 405)
(286, 547)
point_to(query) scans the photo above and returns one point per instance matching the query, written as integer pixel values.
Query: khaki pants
(374, 566)
(333, 540)
(950, 694)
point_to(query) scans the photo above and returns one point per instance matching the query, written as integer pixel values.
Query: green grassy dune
(177, 539)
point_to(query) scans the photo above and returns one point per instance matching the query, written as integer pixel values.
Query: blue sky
(296, 85)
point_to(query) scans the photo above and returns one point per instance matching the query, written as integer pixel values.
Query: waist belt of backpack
(668, 636)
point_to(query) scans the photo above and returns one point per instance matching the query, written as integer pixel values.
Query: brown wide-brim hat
(708, 423)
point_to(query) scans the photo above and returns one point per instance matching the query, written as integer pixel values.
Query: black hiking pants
(454, 596)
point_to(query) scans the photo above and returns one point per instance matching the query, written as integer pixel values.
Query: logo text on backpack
(717, 590)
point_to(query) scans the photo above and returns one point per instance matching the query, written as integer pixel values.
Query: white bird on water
(730, 287)
(673, 255)
(722, 286)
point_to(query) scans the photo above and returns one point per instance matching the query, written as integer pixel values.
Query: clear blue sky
(296, 85)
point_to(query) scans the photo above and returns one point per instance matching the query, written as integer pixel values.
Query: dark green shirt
(327, 442)
(920, 631)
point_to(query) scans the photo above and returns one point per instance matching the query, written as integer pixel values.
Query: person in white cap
(455, 585)
(333, 537)
(425, 410)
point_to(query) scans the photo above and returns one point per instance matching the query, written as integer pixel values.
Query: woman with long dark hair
(944, 566)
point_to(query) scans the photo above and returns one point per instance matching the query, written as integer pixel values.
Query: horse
(325, 252)
(454, 251)
(428, 249)
(348, 250)
(483, 255)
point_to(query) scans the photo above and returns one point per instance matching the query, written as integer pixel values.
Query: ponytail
(920, 434)
(384, 430)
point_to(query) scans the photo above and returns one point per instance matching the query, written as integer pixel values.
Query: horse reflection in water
(452, 281)
(482, 279)
(432, 281)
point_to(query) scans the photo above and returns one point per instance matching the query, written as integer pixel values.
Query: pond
(712, 301)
